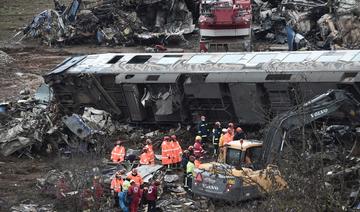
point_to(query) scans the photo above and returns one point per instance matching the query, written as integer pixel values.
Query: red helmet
(166, 138)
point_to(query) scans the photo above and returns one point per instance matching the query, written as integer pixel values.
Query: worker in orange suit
(144, 157)
(229, 136)
(177, 150)
(116, 184)
(221, 144)
(166, 157)
(150, 150)
(118, 152)
(231, 127)
(135, 176)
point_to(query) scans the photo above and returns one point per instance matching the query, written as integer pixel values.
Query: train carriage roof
(319, 66)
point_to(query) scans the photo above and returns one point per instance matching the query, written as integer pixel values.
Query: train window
(262, 58)
(295, 57)
(129, 76)
(139, 59)
(278, 77)
(169, 59)
(232, 58)
(115, 59)
(199, 59)
(330, 57)
(348, 75)
(356, 58)
(152, 77)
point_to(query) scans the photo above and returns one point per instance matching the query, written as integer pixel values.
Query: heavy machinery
(225, 25)
(233, 180)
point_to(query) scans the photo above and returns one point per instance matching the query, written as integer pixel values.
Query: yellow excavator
(248, 167)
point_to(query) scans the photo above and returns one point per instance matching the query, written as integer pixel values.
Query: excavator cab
(243, 153)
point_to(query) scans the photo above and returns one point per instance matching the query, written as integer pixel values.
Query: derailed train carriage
(247, 88)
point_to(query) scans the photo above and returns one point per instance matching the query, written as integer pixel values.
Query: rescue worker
(116, 184)
(135, 192)
(221, 145)
(239, 134)
(191, 150)
(177, 151)
(203, 130)
(198, 149)
(136, 177)
(118, 152)
(166, 152)
(189, 173)
(216, 133)
(144, 157)
(98, 191)
(123, 196)
(151, 196)
(228, 137)
(232, 127)
(150, 150)
(185, 159)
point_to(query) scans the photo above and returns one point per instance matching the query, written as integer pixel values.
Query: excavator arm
(306, 113)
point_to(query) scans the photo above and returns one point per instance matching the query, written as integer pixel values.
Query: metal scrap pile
(309, 24)
(112, 22)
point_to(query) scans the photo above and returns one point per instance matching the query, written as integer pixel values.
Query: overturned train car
(247, 88)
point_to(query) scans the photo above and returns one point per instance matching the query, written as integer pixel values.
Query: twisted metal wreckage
(112, 22)
(302, 24)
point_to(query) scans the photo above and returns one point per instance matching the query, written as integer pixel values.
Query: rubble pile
(34, 125)
(112, 22)
(5, 59)
(309, 24)
(31, 207)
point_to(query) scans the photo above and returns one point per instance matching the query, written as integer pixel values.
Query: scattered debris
(33, 207)
(5, 59)
(112, 22)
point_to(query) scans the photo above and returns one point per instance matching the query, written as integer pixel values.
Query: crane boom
(306, 113)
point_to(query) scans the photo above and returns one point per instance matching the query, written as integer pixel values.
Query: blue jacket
(202, 128)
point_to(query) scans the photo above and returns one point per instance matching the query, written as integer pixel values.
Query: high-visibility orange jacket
(116, 184)
(166, 153)
(151, 153)
(145, 158)
(228, 137)
(138, 179)
(177, 152)
(173, 152)
(118, 154)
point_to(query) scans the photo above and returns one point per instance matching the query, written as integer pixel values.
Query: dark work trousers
(151, 205)
(204, 142)
(116, 199)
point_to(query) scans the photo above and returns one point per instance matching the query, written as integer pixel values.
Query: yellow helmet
(198, 138)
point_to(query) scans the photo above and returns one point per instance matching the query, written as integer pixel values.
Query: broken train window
(139, 59)
(164, 99)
